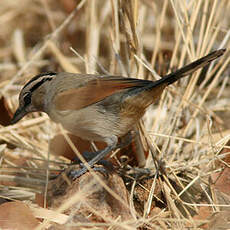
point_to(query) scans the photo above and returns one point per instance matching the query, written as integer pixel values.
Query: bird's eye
(27, 99)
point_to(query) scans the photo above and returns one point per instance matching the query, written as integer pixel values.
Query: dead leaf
(96, 204)
(5, 112)
(59, 146)
(68, 5)
(220, 221)
(203, 214)
(221, 179)
(17, 216)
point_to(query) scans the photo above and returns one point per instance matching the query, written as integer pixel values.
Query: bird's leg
(112, 143)
(89, 156)
(125, 141)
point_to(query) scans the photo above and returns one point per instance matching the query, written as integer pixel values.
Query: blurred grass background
(188, 128)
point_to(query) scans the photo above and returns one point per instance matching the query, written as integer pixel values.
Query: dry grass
(187, 128)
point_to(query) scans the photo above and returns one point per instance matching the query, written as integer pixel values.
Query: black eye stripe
(27, 98)
(44, 77)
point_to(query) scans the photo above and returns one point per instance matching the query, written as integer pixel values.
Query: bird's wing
(94, 91)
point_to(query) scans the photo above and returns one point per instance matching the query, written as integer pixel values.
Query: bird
(97, 107)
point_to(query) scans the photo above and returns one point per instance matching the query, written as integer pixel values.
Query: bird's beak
(19, 114)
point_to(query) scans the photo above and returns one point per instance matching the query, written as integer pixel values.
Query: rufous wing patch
(93, 92)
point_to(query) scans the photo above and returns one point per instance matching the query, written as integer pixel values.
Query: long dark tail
(190, 68)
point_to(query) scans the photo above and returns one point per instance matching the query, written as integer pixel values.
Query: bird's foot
(97, 157)
(91, 155)
(74, 174)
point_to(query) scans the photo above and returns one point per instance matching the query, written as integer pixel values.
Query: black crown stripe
(37, 77)
(40, 83)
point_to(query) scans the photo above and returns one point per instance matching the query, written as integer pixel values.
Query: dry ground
(187, 130)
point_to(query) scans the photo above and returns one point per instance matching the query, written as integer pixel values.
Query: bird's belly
(90, 123)
(84, 129)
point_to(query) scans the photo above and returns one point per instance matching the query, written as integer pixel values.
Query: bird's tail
(190, 68)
